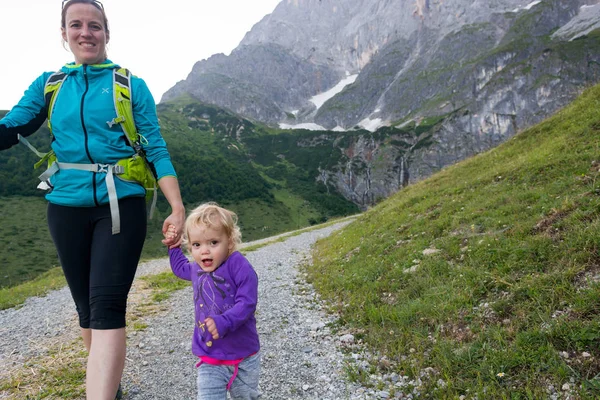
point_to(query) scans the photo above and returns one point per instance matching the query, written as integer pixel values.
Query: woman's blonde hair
(213, 216)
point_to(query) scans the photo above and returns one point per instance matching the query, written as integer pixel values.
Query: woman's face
(85, 33)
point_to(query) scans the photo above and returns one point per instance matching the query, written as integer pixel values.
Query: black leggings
(99, 266)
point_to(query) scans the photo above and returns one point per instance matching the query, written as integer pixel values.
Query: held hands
(177, 221)
(171, 236)
(212, 328)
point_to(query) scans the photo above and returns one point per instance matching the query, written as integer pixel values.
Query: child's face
(210, 246)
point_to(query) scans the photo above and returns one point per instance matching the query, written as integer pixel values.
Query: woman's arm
(27, 116)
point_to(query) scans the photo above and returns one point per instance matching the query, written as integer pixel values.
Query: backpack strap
(51, 88)
(53, 85)
(123, 106)
(124, 110)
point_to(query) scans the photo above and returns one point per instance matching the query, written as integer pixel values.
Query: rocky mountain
(439, 80)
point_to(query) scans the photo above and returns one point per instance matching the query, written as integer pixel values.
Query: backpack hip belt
(110, 171)
(128, 169)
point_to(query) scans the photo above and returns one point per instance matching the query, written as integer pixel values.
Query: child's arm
(246, 298)
(180, 265)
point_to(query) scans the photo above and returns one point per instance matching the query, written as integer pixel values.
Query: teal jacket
(83, 106)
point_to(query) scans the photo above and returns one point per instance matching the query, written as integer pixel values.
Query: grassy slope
(513, 281)
(24, 231)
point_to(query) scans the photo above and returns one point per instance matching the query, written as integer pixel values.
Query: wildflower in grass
(500, 374)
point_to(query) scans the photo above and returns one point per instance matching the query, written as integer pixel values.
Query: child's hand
(212, 328)
(171, 234)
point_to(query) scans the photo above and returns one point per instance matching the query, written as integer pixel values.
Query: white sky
(157, 40)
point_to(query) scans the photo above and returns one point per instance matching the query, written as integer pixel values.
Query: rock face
(482, 69)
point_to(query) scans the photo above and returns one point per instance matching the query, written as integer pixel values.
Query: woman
(99, 266)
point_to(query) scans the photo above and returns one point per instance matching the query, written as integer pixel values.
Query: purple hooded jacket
(228, 295)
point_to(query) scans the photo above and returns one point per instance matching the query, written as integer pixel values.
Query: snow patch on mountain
(528, 6)
(319, 99)
(310, 126)
(371, 124)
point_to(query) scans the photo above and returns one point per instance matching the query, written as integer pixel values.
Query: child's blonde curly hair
(213, 216)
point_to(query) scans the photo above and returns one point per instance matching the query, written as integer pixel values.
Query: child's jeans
(213, 380)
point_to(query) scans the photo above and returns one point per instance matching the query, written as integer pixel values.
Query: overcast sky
(157, 40)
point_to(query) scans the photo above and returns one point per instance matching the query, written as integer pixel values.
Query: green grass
(27, 250)
(164, 284)
(39, 286)
(302, 212)
(491, 266)
(59, 375)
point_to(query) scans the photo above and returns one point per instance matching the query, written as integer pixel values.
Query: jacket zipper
(85, 133)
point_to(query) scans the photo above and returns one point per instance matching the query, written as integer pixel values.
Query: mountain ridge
(484, 70)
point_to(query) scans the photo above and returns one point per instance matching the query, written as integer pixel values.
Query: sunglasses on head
(96, 2)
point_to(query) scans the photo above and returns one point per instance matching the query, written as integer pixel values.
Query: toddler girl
(225, 296)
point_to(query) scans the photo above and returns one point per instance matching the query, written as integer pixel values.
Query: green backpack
(134, 169)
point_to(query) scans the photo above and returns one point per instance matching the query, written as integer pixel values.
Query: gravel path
(300, 356)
